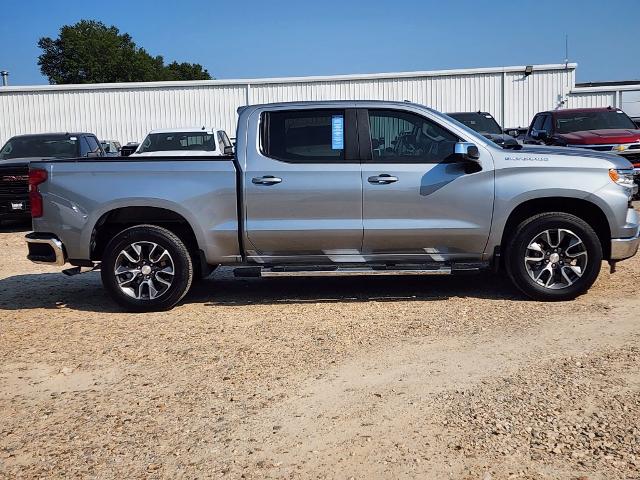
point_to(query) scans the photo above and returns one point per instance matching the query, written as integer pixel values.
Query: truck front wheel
(553, 256)
(146, 268)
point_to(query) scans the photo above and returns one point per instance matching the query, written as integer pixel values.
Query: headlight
(620, 148)
(624, 178)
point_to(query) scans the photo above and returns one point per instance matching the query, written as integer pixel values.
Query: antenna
(566, 51)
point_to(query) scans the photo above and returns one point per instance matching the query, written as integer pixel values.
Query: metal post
(504, 103)
(5, 78)
(620, 99)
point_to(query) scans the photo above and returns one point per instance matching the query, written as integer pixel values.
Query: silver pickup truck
(337, 188)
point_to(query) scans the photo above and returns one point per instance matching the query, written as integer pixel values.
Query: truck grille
(14, 181)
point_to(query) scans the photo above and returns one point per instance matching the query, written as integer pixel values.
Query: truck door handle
(266, 180)
(382, 179)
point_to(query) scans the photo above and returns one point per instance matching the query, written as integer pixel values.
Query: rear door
(420, 202)
(302, 186)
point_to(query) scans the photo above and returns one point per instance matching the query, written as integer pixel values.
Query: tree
(186, 71)
(91, 52)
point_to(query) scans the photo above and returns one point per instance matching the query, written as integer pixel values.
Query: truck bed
(79, 193)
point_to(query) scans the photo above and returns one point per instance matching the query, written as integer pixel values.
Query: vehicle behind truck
(20, 150)
(337, 188)
(185, 142)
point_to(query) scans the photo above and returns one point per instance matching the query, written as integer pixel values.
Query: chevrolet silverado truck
(337, 188)
(601, 129)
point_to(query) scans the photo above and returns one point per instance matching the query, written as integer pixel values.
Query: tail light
(36, 177)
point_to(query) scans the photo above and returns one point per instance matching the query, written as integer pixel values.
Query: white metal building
(127, 111)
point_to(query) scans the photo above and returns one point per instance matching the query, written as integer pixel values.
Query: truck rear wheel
(146, 268)
(553, 256)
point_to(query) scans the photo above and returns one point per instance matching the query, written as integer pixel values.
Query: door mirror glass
(541, 135)
(467, 151)
(512, 132)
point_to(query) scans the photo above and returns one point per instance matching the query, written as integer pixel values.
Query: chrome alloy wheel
(556, 258)
(144, 270)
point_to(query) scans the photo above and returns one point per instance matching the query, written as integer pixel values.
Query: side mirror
(541, 135)
(93, 154)
(467, 150)
(228, 150)
(512, 132)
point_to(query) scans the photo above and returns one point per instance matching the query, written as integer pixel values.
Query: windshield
(598, 120)
(480, 122)
(164, 142)
(52, 147)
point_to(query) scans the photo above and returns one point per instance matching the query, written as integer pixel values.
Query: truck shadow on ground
(278, 291)
(85, 292)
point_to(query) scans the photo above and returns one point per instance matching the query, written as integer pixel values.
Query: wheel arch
(117, 219)
(581, 208)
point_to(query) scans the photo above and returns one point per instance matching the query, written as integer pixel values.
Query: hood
(601, 137)
(614, 161)
(177, 153)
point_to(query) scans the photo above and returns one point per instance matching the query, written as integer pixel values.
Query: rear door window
(304, 136)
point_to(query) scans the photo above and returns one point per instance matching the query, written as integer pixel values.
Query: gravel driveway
(378, 377)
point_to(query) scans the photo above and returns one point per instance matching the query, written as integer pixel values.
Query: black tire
(179, 256)
(527, 231)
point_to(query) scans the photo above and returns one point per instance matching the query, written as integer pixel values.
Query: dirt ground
(379, 377)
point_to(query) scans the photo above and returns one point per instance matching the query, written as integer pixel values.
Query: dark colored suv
(20, 150)
(486, 125)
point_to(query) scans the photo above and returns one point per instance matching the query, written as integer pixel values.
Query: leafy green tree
(185, 71)
(91, 52)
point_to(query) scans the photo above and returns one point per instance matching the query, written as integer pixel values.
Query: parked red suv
(603, 129)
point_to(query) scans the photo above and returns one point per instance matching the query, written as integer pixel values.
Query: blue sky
(272, 38)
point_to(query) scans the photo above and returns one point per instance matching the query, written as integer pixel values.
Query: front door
(420, 202)
(303, 188)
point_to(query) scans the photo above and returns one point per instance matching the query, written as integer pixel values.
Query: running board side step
(345, 271)
(353, 272)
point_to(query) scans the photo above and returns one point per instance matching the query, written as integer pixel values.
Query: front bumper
(46, 249)
(627, 247)
(622, 248)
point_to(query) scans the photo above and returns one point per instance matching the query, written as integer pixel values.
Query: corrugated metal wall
(126, 112)
(124, 115)
(591, 99)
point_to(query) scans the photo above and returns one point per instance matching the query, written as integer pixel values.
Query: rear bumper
(45, 249)
(14, 207)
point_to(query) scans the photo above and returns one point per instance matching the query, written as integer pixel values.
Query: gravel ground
(379, 377)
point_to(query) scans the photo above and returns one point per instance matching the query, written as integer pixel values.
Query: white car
(190, 142)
